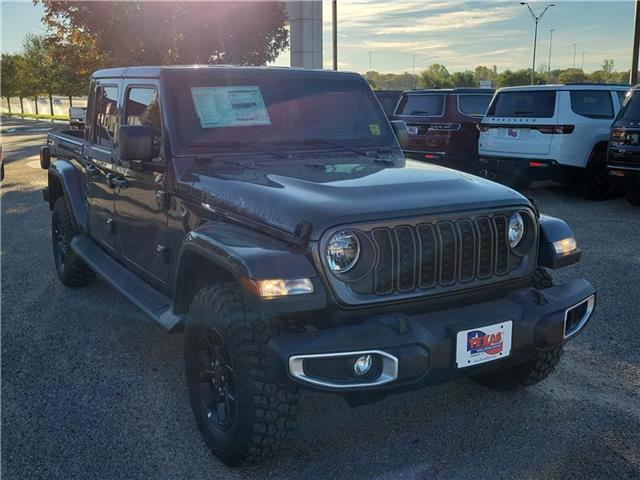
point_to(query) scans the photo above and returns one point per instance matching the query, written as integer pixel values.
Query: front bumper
(419, 350)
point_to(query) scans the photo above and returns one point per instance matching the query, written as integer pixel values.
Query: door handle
(118, 182)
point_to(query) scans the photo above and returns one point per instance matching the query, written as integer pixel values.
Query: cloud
(455, 20)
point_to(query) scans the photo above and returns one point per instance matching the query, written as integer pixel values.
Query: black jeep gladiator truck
(270, 215)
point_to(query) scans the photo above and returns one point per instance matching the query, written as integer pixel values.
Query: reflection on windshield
(299, 111)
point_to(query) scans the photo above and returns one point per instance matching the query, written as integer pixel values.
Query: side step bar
(145, 297)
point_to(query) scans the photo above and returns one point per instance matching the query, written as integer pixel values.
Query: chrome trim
(591, 303)
(631, 169)
(389, 369)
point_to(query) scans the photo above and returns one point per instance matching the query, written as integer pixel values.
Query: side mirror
(135, 142)
(402, 134)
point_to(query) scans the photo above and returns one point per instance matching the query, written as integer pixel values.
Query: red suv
(442, 125)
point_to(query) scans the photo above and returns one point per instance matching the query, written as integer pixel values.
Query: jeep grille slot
(442, 254)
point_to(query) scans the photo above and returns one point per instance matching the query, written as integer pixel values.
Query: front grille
(438, 255)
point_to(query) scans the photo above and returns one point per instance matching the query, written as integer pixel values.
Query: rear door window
(631, 110)
(142, 107)
(421, 105)
(474, 105)
(524, 104)
(106, 119)
(592, 103)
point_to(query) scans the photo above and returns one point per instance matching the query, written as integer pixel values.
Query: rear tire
(633, 196)
(534, 370)
(242, 411)
(71, 270)
(594, 184)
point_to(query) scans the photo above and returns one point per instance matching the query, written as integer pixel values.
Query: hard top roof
(156, 71)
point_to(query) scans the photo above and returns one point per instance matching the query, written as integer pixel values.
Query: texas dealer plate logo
(483, 344)
(478, 342)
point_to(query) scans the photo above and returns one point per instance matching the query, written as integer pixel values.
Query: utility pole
(370, 60)
(334, 23)
(633, 76)
(582, 63)
(550, 42)
(574, 54)
(536, 19)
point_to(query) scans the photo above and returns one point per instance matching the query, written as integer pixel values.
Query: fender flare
(71, 186)
(240, 252)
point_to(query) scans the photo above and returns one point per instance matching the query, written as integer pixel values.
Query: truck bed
(66, 143)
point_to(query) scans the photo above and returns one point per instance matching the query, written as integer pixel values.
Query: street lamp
(536, 19)
(550, 42)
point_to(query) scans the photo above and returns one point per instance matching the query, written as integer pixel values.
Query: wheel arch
(65, 180)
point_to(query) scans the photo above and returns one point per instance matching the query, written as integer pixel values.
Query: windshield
(219, 113)
(423, 105)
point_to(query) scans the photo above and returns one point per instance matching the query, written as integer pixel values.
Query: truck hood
(347, 191)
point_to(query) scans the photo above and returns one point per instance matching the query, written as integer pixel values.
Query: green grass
(38, 116)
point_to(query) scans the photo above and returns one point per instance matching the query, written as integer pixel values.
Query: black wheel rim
(60, 247)
(217, 386)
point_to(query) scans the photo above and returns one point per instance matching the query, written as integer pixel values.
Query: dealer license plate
(483, 344)
(512, 133)
(413, 130)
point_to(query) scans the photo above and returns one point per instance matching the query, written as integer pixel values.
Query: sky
(460, 34)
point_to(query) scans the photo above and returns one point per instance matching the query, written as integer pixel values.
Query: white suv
(557, 132)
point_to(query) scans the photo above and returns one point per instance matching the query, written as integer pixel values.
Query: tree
(463, 79)
(435, 76)
(485, 73)
(572, 75)
(38, 76)
(9, 77)
(510, 78)
(147, 33)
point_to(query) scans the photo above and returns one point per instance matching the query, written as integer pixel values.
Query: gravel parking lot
(92, 389)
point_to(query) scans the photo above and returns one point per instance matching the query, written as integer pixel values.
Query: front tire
(534, 370)
(70, 268)
(242, 411)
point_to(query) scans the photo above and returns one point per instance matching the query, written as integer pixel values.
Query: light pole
(536, 19)
(370, 60)
(574, 54)
(334, 23)
(582, 64)
(550, 42)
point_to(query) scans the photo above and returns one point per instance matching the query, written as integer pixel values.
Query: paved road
(91, 389)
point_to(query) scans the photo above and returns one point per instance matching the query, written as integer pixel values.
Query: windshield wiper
(240, 145)
(359, 151)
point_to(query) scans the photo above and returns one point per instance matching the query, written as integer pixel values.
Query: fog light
(362, 365)
(565, 246)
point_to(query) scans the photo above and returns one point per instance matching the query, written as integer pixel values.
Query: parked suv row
(442, 125)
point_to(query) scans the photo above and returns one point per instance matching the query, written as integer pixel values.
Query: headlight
(343, 250)
(516, 230)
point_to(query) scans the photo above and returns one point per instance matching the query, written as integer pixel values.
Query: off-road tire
(534, 370)
(71, 270)
(633, 196)
(264, 408)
